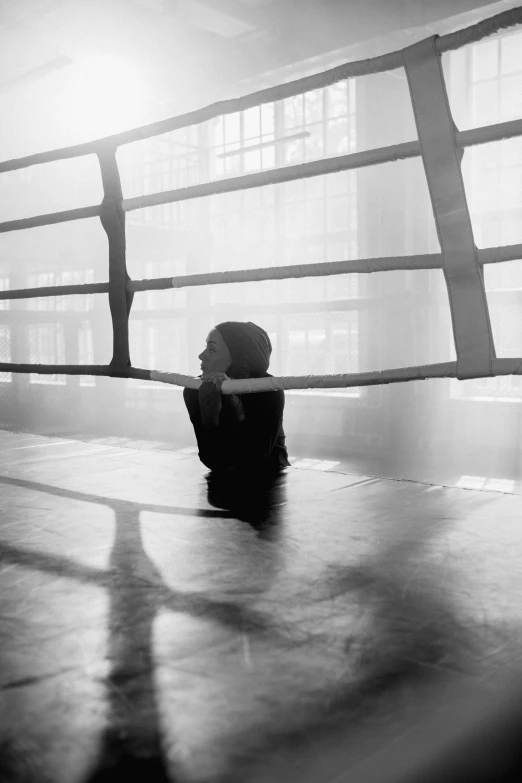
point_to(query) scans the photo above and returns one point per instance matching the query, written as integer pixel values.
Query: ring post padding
(113, 221)
(441, 158)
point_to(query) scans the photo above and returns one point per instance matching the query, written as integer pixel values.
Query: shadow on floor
(413, 638)
(131, 744)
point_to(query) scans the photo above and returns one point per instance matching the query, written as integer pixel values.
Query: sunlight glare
(102, 96)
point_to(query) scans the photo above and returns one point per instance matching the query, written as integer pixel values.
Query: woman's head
(216, 356)
(242, 350)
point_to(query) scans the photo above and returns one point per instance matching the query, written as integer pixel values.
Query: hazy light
(314, 464)
(486, 483)
(101, 95)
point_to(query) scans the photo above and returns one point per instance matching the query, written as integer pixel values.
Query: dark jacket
(255, 444)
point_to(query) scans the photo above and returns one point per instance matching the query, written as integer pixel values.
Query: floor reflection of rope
(132, 739)
(131, 742)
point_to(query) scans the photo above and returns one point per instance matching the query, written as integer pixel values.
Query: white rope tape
(250, 385)
(490, 255)
(376, 378)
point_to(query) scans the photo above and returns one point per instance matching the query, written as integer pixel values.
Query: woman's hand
(216, 378)
(231, 401)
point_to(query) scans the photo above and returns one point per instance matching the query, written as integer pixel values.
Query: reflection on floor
(148, 629)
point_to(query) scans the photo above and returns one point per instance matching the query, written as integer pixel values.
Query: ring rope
(251, 385)
(489, 255)
(410, 149)
(113, 221)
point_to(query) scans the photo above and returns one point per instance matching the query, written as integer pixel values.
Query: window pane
(338, 214)
(5, 350)
(512, 53)
(294, 151)
(337, 137)
(252, 122)
(511, 152)
(294, 111)
(252, 160)
(485, 103)
(314, 187)
(50, 187)
(294, 190)
(4, 303)
(337, 99)
(314, 216)
(485, 60)
(511, 187)
(511, 101)
(313, 106)
(232, 128)
(46, 346)
(218, 131)
(314, 143)
(267, 118)
(268, 157)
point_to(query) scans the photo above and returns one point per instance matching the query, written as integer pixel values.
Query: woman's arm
(246, 440)
(209, 438)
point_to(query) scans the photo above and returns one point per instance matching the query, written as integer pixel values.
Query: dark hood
(249, 347)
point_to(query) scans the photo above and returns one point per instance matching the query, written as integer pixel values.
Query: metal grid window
(78, 302)
(175, 160)
(5, 351)
(156, 337)
(47, 346)
(243, 142)
(5, 304)
(47, 340)
(86, 351)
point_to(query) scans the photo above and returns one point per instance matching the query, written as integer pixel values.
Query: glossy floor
(147, 625)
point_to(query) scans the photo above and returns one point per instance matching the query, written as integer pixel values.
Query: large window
(244, 142)
(303, 221)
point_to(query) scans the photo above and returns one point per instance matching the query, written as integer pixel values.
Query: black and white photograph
(261, 391)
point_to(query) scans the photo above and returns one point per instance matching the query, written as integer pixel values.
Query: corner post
(112, 218)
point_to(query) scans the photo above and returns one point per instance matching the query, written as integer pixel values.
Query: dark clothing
(255, 444)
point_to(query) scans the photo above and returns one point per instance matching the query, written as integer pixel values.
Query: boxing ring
(441, 147)
(146, 630)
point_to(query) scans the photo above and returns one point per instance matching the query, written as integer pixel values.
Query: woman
(237, 434)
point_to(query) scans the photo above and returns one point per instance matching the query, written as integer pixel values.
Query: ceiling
(194, 51)
(221, 40)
